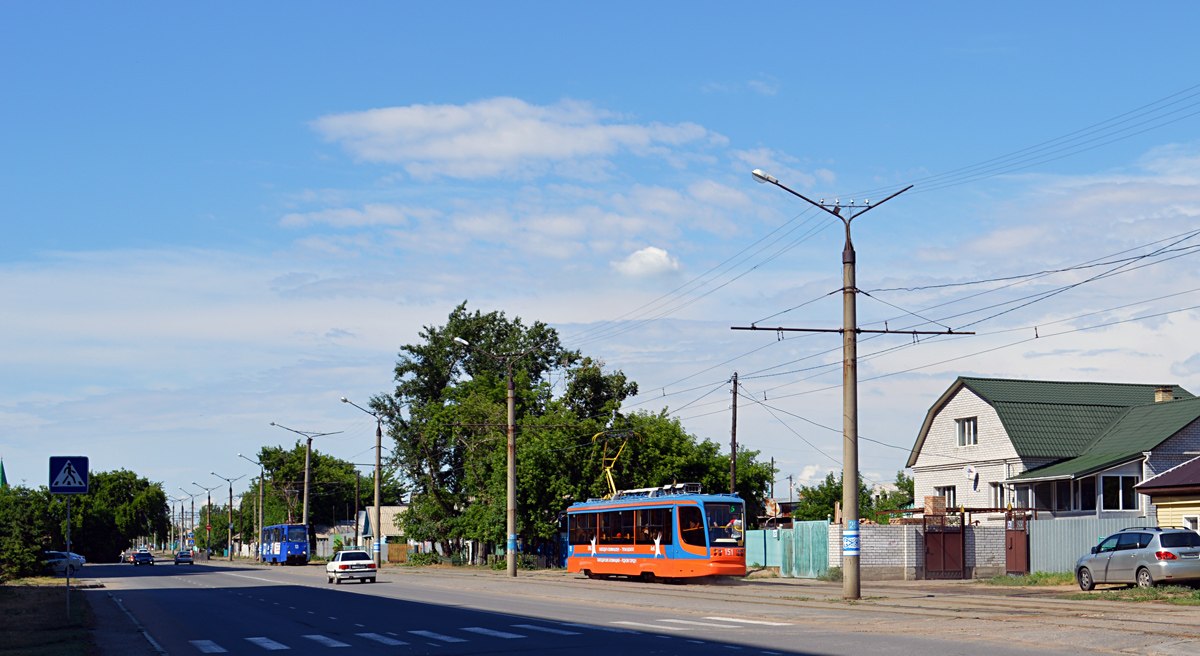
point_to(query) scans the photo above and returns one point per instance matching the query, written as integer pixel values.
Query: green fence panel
(805, 550)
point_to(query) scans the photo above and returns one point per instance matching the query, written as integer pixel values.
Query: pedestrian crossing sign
(68, 474)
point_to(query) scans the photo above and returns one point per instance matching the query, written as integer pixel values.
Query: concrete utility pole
(376, 544)
(207, 518)
(357, 477)
(849, 330)
(259, 509)
(308, 437)
(229, 544)
(733, 441)
(772, 477)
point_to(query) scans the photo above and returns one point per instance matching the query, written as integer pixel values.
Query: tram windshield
(725, 523)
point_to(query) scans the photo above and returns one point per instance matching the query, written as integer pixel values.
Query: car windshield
(1176, 540)
(355, 555)
(724, 522)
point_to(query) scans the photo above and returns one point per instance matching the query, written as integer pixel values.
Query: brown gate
(945, 546)
(1016, 541)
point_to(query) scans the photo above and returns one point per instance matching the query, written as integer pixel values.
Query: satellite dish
(970, 472)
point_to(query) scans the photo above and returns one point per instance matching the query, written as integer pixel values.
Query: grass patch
(833, 574)
(798, 598)
(33, 621)
(1036, 578)
(1173, 594)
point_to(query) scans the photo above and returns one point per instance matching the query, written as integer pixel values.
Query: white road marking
(544, 629)
(651, 626)
(267, 643)
(391, 642)
(360, 626)
(333, 618)
(774, 653)
(692, 623)
(699, 642)
(731, 647)
(391, 634)
(325, 640)
(741, 621)
(436, 636)
(208, 647)
(598, 628)
(244, 576)
(494, 634)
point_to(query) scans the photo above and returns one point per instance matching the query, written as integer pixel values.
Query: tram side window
(583, 528)
(691, 526)
(617, 527)
(652, 523)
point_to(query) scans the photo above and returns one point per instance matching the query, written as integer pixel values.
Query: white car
(59, 562)
(348, 565)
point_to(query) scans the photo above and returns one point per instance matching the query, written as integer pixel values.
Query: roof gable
(1184, 475)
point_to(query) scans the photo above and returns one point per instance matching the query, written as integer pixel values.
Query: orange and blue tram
(671, 532)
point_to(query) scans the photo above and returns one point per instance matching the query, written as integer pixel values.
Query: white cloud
(647, 262)
(370, 215)
(500, 137)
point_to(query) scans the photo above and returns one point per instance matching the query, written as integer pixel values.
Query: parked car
(81, 559)
(348, 565)
(1143, 555)
(59, 562)
(143, 558)
(185, 557)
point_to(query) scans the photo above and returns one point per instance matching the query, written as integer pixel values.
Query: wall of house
(941, 460)
(1178, 449)
(1172, 510)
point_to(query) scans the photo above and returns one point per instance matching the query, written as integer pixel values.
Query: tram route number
(719, 551)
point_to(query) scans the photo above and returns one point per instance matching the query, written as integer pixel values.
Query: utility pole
(376, 545)
(851, 588)
(308, 437)
(772, 477)
(357, 477)
(733, 441)
(789, 488)
(229, 544)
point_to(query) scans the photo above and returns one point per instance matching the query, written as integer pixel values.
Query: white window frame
(1192, 522)
(968, 431)
(950, 493)
(997, 495)
(1120, 493)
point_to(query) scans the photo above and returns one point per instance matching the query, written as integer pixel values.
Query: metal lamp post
(230, 509)
(191, 516)
(207, 519)
(261, 471)
(376, 546)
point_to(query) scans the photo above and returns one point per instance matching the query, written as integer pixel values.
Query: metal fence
(1055, 544)
(799, 552)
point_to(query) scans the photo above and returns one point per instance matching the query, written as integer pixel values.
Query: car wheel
(372, 579)
(1144, 579)
(328, 579)
(1085, 580)
(337, 581)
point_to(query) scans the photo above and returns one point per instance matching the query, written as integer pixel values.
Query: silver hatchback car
(1145, 555)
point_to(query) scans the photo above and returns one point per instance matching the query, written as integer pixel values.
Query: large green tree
(447, 417)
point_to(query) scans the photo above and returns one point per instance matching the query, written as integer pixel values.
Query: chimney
(1164, 393)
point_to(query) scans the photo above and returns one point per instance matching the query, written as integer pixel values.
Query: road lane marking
(651, 626)
(391, 642)
(244, 576)
(699, 642)
(391, 634)
(598, 628)
(544, 629)
(333, 618)
(494, 634)
(325, 640)
(710, 624)
(267, 643)
(774, 653)
(437, 636)
(208, 647)
(361, 626)
(741, 621)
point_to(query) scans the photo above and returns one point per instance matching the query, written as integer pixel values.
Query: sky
(214, 218)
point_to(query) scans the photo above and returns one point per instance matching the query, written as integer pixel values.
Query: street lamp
(207, 519)
(229, 544)
(508, 359)
(192, 517)
(376, 541)
(308, 436)
(850, 536)
(261, 470)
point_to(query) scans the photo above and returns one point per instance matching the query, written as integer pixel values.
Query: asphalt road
(211, 608)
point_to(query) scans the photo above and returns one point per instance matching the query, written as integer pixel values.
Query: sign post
(68, 475)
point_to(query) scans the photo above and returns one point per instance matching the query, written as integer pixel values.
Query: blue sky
(213, 219)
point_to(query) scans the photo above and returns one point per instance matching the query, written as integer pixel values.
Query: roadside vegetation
(1172, 594)
(35, 620)
(1036, 578)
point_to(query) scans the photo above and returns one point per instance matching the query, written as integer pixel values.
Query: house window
(997, 496)
(1118, 492)
(1062, 495)
(968, 431)
(1021, 496)
(1192, 522)
(1042, 496)
(1087, 493)
(951, 498)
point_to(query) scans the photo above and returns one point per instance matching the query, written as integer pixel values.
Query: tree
(22, 532)
(817, 502)
(331, 486)
(448, 418)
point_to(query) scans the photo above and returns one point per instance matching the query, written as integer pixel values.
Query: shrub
(834, 574)
(423, 559)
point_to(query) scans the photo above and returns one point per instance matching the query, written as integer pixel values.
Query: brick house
(1068, 448)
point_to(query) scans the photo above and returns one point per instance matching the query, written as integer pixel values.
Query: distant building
(389, 530)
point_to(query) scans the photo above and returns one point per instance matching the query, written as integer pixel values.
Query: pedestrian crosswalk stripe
(391, 642)
(267, 643)
(494, 634)
(437, 636)
(325, 640)
(544, 629)
(711, 624)
(208, 647)
(651, 626)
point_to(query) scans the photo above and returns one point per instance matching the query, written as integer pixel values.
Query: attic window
(968, 431)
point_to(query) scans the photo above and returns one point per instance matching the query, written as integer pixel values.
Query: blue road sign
(68, 475)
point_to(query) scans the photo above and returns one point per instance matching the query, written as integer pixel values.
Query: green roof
(1084, 465)
(1066, 420)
